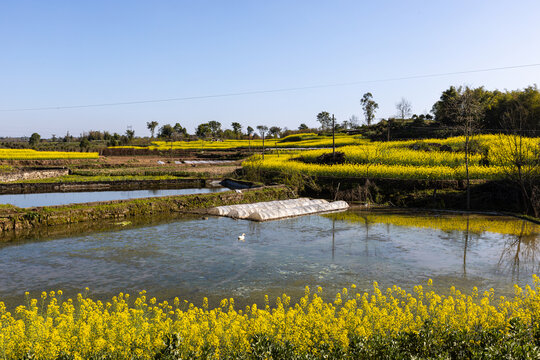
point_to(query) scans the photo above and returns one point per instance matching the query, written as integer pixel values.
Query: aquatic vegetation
(30, 154)
(352, 325)
(474, 224)
(406, 159)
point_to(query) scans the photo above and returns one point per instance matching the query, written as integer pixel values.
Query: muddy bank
(29, 188)
(32, 174)
(17, 219)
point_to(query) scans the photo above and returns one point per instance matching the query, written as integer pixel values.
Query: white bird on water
(242, 237)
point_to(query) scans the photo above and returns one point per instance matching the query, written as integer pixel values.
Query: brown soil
(133, 162)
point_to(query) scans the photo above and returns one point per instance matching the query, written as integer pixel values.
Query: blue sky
(63, 53)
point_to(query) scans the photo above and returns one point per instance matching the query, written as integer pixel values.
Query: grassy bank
(389, 324)
(13, 218)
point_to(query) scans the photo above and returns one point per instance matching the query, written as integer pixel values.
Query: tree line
(493, 105)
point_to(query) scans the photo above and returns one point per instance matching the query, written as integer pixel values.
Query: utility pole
(333, 137)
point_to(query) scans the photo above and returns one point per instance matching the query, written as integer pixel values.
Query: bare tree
(353, 121)
(519, 156)
(404, 108)
(262, 130)
(467, 111)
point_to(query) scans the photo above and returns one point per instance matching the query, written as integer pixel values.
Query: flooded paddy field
(64, 198)
(193, 257)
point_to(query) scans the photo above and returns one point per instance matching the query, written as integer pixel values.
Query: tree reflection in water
(519, 253)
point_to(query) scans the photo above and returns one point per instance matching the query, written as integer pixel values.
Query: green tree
(369, 106)
(442, 109)
(84, 144)
(179, 130)
(130, 134)
(215, 128)
(152, 127)
(166, 131)
(35, 138)
(445, 112)
(203, 131)
(303, 127)
(503, 103)
(237, 128)
(325, 119)
(275, 131)
(229, 134)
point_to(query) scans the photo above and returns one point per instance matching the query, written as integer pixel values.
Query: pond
(194, 257)
(63, 198)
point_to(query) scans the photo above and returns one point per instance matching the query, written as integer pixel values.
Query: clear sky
(64, 53)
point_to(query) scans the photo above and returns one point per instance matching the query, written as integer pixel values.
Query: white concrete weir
(279, 209)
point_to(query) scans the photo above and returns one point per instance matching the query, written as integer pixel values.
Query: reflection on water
(62, 198)
(520, 251)
(444, 221)
(194, 257)
(520, 244)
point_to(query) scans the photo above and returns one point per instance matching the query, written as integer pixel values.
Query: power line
(254, 92)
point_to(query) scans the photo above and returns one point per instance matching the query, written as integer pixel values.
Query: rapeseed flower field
(494, 157)
(298, 141)
(30, 154)
(351, 325)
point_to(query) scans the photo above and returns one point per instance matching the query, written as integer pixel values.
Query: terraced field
(491, 158)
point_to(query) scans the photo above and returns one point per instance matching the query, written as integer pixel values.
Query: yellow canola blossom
(309, 141)
(288, 163)
(380, 153)
(399, 160)
(136, 328)
(30, 154)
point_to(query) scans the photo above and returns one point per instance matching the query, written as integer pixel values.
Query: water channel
(64, 198)
(192, 257)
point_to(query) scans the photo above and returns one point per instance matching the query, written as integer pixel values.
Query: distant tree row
(211, 129)
(493, 107)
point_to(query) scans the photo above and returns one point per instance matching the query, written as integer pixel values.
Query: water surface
(196, 257)
(63, 198)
